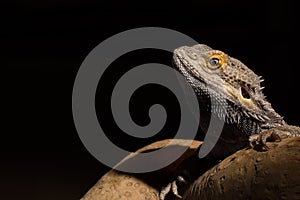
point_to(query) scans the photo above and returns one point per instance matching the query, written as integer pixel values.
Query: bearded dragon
(238, 101)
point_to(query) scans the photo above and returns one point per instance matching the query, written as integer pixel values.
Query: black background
(43, 44)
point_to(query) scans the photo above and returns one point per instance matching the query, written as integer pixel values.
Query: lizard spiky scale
(217, 78)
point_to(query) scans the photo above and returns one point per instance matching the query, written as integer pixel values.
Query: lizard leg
(172, 186)
(175, 188)
(258, 141)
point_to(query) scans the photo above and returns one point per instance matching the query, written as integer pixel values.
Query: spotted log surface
(247, 174)
(250, 174)
(144, 186)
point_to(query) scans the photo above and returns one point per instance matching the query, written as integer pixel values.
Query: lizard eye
(216, 59)
(214, 62)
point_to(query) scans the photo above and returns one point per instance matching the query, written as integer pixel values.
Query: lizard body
(238, 101)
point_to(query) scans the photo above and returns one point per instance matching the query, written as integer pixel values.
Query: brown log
(247, 174)
(117, 185)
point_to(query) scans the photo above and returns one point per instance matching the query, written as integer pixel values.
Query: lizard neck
(233, 116)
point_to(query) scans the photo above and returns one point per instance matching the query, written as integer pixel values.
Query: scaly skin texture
(214, 74)
(228, 90)
(237, 96)
(238, 101)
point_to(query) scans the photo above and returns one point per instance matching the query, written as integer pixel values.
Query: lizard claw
(172, 186)
(175, 190)
(258, 141)
(181, 179)
(258, 144)
(164, 191)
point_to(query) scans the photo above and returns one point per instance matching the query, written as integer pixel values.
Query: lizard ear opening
(245, 93)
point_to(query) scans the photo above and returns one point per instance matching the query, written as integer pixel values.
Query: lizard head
(215, 74)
